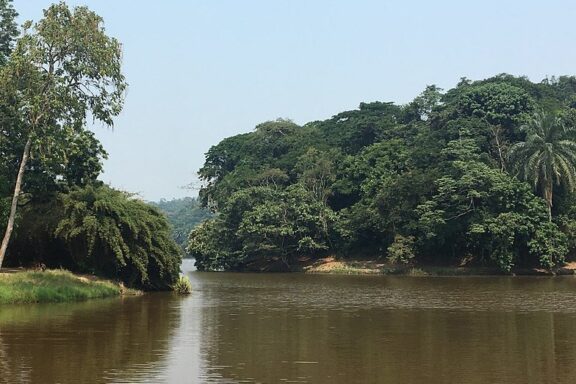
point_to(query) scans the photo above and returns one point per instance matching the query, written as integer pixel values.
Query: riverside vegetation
(480, 175)
(53, 75)
(52, 286)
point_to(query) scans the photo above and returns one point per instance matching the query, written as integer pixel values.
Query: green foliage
(119, 236)
(548, 156)
(8, 29)
(211, 244)
(316, 173)
(263, 226)
(481, 210)
(98, 230)
(423, 105)
(4, 200)
(437, 171)
(66, 66)
(549, 245)
(498, 103)
(352, 131)
(286, 224)
(401, 251)
(183, 215)
(77, 163)
(183, 286)
(62, 69)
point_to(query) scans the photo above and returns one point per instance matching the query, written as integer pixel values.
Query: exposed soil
(332, 265)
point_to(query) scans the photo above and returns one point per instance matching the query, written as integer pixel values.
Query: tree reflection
(97, 341)
(269, 338)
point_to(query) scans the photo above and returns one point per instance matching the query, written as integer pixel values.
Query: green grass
(52, 286)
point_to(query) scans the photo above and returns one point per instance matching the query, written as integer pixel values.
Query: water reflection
(392, 330)
(242, 328)
(392, 346)
(99, 341)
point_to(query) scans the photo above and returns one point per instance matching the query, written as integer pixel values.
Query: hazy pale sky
(203, 70)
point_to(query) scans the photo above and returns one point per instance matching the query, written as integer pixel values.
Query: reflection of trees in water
(264, 333)
(96, 341)
(388, 346)
(6, 369)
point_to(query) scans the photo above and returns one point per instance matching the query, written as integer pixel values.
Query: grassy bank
(53, 286)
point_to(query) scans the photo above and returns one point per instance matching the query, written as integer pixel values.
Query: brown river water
(295, 328)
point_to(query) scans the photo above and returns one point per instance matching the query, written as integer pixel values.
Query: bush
(120, 236)
(183, 286)
(99, 230)
(401, 251)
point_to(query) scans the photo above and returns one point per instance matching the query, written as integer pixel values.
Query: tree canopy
(8, 29)
(548, 156)
(57, 75)
(62, 68)
(446, 178)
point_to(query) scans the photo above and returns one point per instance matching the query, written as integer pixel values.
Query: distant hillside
(183, 214)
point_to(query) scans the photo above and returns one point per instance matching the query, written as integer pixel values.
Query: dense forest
(482, 174)
(183, 215)
(55, 75)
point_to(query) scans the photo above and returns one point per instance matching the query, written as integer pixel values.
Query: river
(295, 328)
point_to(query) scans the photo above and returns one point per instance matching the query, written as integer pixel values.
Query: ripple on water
(346, 293)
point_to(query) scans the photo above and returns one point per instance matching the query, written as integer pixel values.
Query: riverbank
(331, 265)
(54, 286)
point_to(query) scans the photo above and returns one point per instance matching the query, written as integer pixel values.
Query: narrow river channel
(295, 328)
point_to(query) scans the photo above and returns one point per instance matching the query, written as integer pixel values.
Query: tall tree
(8, 29)
(548, 156)
(63, 69)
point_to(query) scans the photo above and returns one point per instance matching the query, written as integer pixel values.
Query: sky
(203, 70)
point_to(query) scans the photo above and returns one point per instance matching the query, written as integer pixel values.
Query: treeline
(54, 75)
(183, 215)
(482, 174)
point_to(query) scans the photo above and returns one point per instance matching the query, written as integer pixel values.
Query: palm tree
(548, 156)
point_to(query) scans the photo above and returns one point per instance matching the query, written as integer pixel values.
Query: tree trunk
(548, 197)
(17, 188)
(496, 131)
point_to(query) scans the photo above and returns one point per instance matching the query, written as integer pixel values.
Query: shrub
(98, 230)
(401, 251)
(119, 235)
(183, 286)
